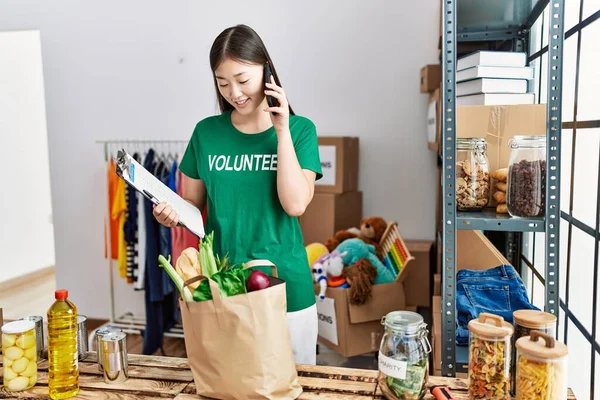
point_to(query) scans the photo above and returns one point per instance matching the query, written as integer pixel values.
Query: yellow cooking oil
(63, 367)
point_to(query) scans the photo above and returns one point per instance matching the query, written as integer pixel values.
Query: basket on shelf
(396, 254)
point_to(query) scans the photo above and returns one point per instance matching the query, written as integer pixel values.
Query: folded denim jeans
(498, 291)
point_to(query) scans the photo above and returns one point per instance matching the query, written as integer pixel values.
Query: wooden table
(152, 377)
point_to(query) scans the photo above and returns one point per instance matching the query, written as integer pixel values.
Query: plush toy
(371, 232)
(314, 251)
(327, 271)
(360, 276)
(355, 249)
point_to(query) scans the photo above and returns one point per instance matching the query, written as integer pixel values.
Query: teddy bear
(371, 231)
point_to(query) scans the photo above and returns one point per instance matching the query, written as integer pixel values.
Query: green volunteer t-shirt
(244, 211)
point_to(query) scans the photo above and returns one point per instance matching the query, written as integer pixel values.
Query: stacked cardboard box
(337, 203)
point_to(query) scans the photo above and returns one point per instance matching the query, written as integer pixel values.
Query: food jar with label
(526, 186)
(19, 355)
(541, 368)
(490, 340)
(527, 321)
(472, 174)
(404, 356)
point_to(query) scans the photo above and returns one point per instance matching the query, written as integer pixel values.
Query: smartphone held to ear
(271, 101)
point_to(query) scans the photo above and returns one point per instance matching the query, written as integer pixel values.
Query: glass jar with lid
(472, 174)
(19, 355)
(533, 320)
(541, 368)
(490, 339)
(526, 186)
(404, 356)
(527, 321)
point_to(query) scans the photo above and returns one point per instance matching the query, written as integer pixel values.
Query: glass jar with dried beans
(472, 174)
(533, 320)
(526, 188)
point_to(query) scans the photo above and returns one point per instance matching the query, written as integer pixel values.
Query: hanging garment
(182, 238)
(113, 224)
(168, 286)
(119, 213)
(131, 230)
(498, 291)
(159, 307)
(140, 274)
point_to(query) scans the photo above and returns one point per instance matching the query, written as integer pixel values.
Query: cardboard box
(418, 282)
(328, 213)
(434, 120)
(439, 209)
(439, 246)
(431, 77)
(339, 162)
(500, 124)
(437, 285)
(352, 330)
(436, 332)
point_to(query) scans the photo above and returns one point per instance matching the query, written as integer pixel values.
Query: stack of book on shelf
(493, 78)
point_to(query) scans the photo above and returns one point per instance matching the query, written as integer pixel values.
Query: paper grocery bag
(239, 347)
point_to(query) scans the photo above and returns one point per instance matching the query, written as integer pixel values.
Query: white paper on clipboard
(132, 172)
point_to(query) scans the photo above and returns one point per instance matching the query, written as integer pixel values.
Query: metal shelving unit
(480, 20)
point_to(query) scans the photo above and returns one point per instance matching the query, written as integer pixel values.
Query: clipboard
(132, 172)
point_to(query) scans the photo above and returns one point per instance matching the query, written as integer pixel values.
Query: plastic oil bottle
(63, 366)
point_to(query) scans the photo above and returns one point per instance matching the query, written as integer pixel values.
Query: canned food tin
(39, 334)
(113, 350)
(99, 333)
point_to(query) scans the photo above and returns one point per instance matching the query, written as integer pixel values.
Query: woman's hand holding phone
(280, 115)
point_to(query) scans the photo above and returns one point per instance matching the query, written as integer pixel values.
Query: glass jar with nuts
(472, 174)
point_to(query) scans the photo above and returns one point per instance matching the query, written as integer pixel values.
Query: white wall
(139, 69)
(26, 232)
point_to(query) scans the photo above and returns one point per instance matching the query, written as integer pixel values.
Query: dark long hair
(240, 43)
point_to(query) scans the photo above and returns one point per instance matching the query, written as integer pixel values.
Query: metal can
(39, 334)
(82, 337)
(105, 330)
(113, 350)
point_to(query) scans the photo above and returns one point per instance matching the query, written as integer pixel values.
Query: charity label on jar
(394, 368)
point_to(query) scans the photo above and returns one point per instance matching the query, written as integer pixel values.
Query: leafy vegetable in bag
(231, 281)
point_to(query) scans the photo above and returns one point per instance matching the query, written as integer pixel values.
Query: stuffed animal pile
(351, 259)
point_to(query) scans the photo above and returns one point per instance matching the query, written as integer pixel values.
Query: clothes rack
(128, 321)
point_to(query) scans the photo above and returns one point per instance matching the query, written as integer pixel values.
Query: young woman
(255, 167)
